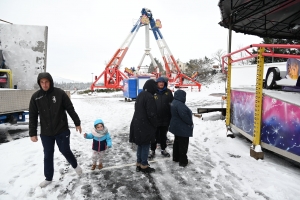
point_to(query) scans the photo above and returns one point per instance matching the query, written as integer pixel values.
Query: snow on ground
(219, 167)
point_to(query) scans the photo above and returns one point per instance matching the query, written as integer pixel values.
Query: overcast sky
(84, 35)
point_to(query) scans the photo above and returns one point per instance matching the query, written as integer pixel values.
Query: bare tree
(218, 56)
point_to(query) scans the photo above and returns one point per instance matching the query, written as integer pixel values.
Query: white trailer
(23, 56)
(269, 118)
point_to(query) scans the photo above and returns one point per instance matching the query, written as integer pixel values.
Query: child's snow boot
(93, 167)
(100, 166)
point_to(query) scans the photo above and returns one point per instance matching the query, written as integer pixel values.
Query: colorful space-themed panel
(242, 110)
(281, 125)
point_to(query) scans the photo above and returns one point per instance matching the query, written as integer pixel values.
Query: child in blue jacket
(101, 140)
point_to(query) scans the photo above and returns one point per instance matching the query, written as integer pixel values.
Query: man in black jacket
(163, 98)
(51, 104)
(143, 125)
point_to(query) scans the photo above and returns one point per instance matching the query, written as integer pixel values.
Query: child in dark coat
(101, 140)
(181, 126)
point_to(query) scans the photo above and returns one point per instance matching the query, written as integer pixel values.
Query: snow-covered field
(219, 167)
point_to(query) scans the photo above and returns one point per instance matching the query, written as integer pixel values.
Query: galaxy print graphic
(281, 125)
(242, 110)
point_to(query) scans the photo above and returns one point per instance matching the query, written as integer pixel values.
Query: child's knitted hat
(98, 121)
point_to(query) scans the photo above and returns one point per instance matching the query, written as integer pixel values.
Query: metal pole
(229, 48)
(229, 38)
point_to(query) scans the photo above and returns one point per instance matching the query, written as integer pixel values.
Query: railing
(270, 48)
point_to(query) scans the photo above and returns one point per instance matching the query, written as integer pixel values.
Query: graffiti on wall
(281, 125)
(242, 110)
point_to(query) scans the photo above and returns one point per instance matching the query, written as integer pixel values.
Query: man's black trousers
(160, 137)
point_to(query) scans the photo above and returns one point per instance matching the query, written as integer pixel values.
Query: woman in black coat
(144, 124)
(181, 126)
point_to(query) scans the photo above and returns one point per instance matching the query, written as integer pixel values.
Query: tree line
(73, 86)
(202, 66)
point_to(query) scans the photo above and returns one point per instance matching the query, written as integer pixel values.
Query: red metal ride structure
(113, 77)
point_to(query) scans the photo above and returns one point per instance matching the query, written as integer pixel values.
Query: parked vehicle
(23, 56)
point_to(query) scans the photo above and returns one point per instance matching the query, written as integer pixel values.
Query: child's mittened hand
(84, 135)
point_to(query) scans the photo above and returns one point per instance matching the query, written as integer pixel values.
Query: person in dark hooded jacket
(50, 105)
(181, 126)
(163, 98)
(143, 125)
